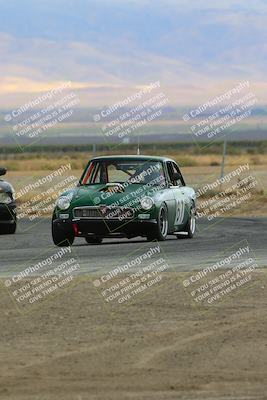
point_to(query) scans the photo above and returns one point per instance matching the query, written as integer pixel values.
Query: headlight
(147, 203)
(5, 198)
(64, 202)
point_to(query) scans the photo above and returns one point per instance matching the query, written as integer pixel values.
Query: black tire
(161, 230)
(191, 223)
(62, 238)
(93, 240)
(8, 229)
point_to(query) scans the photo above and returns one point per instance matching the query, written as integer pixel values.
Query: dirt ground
(159, 346)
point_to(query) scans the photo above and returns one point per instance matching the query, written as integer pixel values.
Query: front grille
(104, 212)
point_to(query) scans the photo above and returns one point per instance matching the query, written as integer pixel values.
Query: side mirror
(2, 171)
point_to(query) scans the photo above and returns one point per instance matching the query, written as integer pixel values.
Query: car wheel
(93, 240)
(62, 238)
(191, 223)
(161, 230)
(8, 229)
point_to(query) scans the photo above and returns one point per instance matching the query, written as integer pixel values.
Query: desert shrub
(214, 164)
(255, 160)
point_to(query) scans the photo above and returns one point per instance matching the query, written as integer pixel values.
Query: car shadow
(124, 242)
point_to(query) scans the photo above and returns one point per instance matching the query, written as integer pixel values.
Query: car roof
(133, 158)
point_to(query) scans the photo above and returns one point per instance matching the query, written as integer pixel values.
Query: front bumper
(7, 213)
(106, 228)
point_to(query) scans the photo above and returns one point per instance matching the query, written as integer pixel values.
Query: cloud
(109, 48)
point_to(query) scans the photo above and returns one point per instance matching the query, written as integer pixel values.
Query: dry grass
(198, 170)
(78, 160)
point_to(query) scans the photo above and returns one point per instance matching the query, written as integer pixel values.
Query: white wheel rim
(163, 223)
(192, 223)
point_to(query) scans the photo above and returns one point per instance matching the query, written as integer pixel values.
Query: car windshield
(124, 171)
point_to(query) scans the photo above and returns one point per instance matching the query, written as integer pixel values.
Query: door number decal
(180, 207)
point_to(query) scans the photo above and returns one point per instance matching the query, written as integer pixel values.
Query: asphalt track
(33, 241)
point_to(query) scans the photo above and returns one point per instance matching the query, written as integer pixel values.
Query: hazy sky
(107, 48)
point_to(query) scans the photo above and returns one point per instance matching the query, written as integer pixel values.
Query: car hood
(98, 194)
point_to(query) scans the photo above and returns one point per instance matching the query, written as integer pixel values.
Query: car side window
(173, 169)
(180, 181)
(170, 172)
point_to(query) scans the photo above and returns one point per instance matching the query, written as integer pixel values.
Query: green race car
(125, 196)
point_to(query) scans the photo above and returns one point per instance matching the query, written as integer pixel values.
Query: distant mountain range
(250, 135)
(81, 128)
